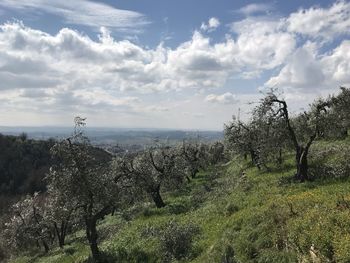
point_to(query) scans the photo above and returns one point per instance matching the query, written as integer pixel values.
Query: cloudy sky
(165, 64)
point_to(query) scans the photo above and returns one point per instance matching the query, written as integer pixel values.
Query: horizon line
(109, 127)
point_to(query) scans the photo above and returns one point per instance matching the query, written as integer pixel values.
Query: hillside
(23, 164)
(235, 213)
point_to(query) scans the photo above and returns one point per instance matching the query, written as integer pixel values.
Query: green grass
(243, 215)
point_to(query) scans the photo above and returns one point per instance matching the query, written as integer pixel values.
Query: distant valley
(116, 140)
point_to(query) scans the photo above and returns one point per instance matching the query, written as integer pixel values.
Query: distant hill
(116, 136)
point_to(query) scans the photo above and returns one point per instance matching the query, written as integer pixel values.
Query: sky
(166, 64)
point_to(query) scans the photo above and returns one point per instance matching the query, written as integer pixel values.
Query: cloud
(226, 98)
(262, 43)
(70, 62)
(320, 22)
(72, 72)
(212, 24)
(309, 71)
(83, 12)
(255, 8)
(156, 109)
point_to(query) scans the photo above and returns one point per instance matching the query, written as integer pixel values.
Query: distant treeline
(23, 164)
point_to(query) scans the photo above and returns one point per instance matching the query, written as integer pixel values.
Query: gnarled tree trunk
(45, 245)
(61, 232)
(157, 198)
(91, 234)
(302, 164)
(255, 158)
(194, 172)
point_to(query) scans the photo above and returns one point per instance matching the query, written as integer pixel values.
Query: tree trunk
(279, 158)
(91, 234)
(302, 164)
(61, 241)
(194, 172)
(157, 198)
(344, 133)
(61, 233)
(46, 246)
(255, 159)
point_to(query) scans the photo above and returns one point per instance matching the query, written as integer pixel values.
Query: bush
(330, 162)
(229, 255)
(178, 208)
(136, 255)
(69, 250)
(230, 209)
(105, 257)
(176, 240)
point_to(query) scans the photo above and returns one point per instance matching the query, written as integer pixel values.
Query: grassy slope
(257, 216)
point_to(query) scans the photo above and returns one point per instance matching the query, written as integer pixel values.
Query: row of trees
(85, 184)
(271, 130)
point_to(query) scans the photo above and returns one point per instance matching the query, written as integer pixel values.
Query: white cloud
(156, 108)
(71, 72)
(71, 64)
(226, 98)
(309, 71)
(262, 43)
(255, 8)
(212, 24)
(82, 12)
(319, 22)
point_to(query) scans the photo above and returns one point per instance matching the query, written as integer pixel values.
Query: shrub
(69, 250)
(230, 209)
(136, 255)
(330, 162)
(178, 208)
(176, 240)
(229, 255)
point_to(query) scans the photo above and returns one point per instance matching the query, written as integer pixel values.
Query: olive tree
(194, 154)
(338, 121)
(83, 178)
(302, 135)
(271, 139)
(216, 152)
(244, 138)
(28, 227)
(152, 169)
(60, 212)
